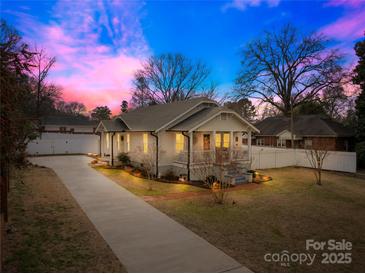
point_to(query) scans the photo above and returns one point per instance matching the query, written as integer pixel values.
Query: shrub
(124, 159)
(170, 176)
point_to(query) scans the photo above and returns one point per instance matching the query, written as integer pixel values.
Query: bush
(170, 176)
(124, 159)
(360, 151)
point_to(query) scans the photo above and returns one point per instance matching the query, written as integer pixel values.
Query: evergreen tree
(359, 79)
(124, 106)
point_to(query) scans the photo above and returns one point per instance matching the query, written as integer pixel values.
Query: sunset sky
(99, 44)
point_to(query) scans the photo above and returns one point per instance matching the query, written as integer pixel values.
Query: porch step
(237, 179)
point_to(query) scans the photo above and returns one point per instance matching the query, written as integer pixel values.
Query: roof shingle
(304, 125)
(154, 117)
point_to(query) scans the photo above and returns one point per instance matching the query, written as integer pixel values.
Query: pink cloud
(346, 3)
(349, 27)
(91, 71)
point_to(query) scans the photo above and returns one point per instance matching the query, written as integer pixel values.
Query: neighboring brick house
(310, 131)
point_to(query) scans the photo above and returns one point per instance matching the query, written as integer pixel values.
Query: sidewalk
(143, 238)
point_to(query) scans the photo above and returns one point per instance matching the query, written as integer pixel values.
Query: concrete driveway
(143, 238)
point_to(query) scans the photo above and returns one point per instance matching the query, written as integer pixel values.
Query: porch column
(213, 144)
(110, 148)
(249, 145)
(101, 143)
(191, 148)
(230, 145)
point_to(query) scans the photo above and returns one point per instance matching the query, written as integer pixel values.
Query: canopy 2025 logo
(333, 252)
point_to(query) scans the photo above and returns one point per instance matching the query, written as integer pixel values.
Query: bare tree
(148, 161)
(316, 159)
(243, 107)
(167, 78)
(213, 175)
(42, 63)
(286, 69)
(335, 102)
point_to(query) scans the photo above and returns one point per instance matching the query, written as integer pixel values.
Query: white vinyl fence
(268, 157)
(64, 143)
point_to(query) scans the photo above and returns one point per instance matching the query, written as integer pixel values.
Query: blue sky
(99, 44)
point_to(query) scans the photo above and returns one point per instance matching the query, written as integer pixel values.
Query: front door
(222, 144)
(206, 142)
(120, 142)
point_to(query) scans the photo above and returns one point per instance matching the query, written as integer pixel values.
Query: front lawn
(280, 215)
(140, 186)
(48, 231)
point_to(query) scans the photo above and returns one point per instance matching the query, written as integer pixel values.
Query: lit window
(226, 140)
(218, 140)
(179, 142)
(107, 139)
(118, 141)
(145, 143)
(128, 143)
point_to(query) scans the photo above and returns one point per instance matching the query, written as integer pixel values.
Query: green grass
(140, 186)
(280, 215)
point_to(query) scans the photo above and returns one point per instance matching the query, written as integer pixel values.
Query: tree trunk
(292, 125)
(319, 177)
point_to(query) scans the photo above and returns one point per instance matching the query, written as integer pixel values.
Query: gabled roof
(114, 125)
(157, 117)
(68, 120)
(203, 116)
(304, 125)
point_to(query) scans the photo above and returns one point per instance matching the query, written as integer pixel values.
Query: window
(281, 143)
(179, 145)
(218, 140)
(259, 141)
(72, 130)
(307, 143)
(224, 116)
(145, 143)
(128, 142)
(62, 129)
(226, 140)
(107, 139)
(118, 141)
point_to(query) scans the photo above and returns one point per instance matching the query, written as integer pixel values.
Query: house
(178, 137)
(68, 124)
(65, 135)
(310, 132)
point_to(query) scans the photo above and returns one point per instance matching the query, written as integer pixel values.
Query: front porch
(220, 148)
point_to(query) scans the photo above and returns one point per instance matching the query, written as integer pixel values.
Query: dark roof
(154, 117)
(197, 118)
(113, 125)
(68, 120)
(304, 125)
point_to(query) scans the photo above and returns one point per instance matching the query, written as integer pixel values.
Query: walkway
(143, 238)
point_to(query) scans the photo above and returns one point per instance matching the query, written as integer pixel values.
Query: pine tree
(359, 79)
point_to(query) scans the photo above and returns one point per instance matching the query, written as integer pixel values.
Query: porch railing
(211, 156)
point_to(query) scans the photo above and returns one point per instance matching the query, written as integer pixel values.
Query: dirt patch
(48, 231)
